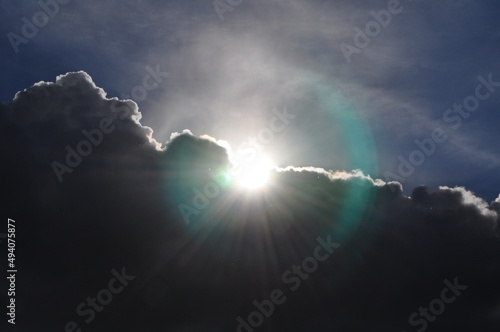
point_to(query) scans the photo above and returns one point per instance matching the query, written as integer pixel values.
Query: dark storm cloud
(72, 103)
(119, 208)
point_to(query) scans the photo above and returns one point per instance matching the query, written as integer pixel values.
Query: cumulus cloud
(120, 207)
(72, 103)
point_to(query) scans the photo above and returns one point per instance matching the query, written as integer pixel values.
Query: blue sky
(227, 76)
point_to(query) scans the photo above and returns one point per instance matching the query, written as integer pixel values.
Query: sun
(255, 174)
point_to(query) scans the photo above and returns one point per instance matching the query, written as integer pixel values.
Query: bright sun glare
(255, 174)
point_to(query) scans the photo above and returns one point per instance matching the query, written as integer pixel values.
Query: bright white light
(255, 174)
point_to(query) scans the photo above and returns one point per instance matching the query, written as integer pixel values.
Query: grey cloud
(120, 208)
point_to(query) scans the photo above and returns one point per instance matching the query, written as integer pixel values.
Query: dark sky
(132, 132)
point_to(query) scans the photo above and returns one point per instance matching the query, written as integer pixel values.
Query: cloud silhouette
(120, 208)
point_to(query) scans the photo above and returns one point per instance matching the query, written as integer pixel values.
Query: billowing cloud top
(91, 190)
